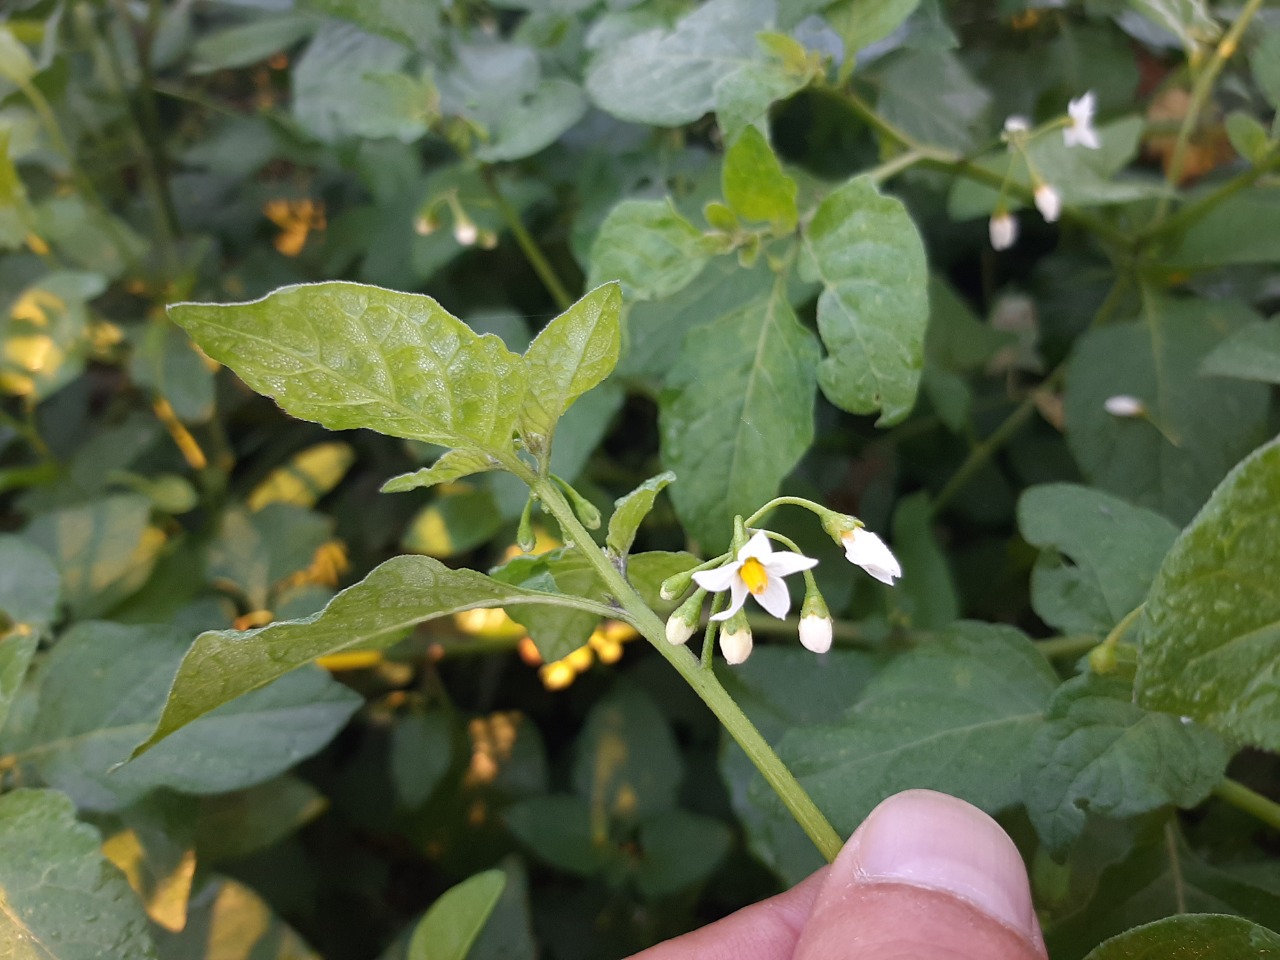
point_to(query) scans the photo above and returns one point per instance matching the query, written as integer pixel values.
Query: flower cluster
(758, 571)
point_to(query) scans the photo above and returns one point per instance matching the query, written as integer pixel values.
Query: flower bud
(1048, 202)
(1003, 230)
(735, 639)
(682, 623)
(675, 585)
(815, 623)
(1123, 405)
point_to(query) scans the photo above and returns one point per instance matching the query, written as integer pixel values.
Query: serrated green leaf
(102, 689)
(224, 664)
(29, 583)
(454, 921)
(1099, 555)
(669, 77)
(1197, 427)
(348, 355)
(452, 465)
(62, 899)
(737, 414)
(978, 692)
(1251, 353)
(874, 306)
(1099, 753)
(754, 184)
(647, 246)
(572, 354)
(1204, 935)
(1211, 624)
(629, 512)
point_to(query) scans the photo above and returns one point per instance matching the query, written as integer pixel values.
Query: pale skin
(926, 877)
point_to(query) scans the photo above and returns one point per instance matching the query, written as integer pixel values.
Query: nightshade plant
(320, 602)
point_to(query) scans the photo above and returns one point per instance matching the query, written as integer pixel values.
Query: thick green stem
(1250, 801)
(1070, 646)
(703, 681)
(1226, 48)
(533, 253)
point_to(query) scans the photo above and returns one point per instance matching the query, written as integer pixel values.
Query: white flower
(736, 644)
(1123, 405)
(868, 551)
(1048, 202)
(678, 629)
(465, 232)
(1080, 129)
(1004, 230)
(759, 572)
(815, 633)
(1017, 124)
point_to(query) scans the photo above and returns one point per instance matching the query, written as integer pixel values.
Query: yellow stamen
(754, 575)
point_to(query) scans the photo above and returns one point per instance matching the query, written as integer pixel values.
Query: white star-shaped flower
(1080, 130)
(758, 571)
(864, 548)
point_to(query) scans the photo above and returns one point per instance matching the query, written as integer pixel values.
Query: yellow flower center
(754, 575)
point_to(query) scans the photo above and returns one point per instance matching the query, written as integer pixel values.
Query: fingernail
(931, 840)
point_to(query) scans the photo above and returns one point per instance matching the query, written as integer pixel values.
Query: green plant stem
(1198, 209)
(779, 502)
(1074, 645)
(703, 681)
(1226, 48)
(533, 253)
(1249, 801)
(895, 165)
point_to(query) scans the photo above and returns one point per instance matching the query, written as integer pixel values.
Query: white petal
(815, 633)
(1003, 230)
(868, 551)
(1081, 108)
(736, 647)
(738, 596)
(1016, 124)
(721, 578)
(775, 598)
(758, 546)
(1048, 202)
(1123, 405)
(784, 563)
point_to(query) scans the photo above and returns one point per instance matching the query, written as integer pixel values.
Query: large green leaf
(224, 664)
(348, 355)
(669, 77)
(29, 583)
(754, 184)
(421, 752)
(1244, 228)
(1099, 555)
(572, 354)
(1251, 353)
(932, 96)
(454, 921)
(874, 305)
(957, 715)
(647, 246)
(1099, 753)
(1211, 625)
(250, 42)
(738, 413)
(59, 898)
(102, 690)
(1198, 427)
(1211, 936)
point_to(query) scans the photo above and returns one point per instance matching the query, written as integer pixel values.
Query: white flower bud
(815, 633)
(1048, 202)
(465, 232)
(1017, 124)
(1003, 229)
(679, 630)
(735, 643)
(1123, 405)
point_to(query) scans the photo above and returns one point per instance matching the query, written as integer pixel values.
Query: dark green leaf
(167, 362)
(979, 693)
(234, 825)
(1248, 136)
(29, 583)
(151, 843)
(454, 921)
(421, 753)
(459, 519)
(102, 689)
(1265, 61)
(255, 551)
(629, 512)
(647, 246)
(754, 184)
(1251, 353)
(572, 354)
(1099, 555)
(224, 664)
(1244, 228)
(926, 596)
(874, 305)
(557, 829)
(16, 649)
(738, 414)
(249, 43)
(1197, 427)
(1211, 625)
(1206, 935)
(413, 21)
(231, 919)
(1101, 754)
(679, 850)
(62, 899)
(348, 355)
(931, 95)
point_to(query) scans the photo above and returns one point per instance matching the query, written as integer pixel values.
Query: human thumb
(926, 877)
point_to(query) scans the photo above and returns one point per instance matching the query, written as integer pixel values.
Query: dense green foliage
(515, 305)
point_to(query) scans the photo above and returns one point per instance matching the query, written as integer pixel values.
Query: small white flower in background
(465, 232)
(735, 641)
(1003, 229)
(758, 571)
(1048, 202)
(1123, 405)
(868, 551)
(1017, 124)
(1080, 130)
(815, 633)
